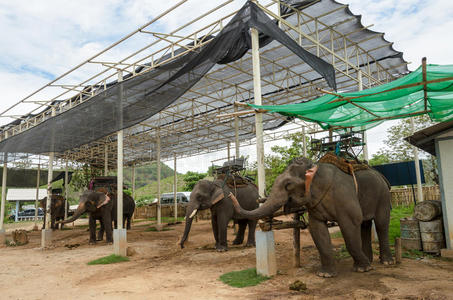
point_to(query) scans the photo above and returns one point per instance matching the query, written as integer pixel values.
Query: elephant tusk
(193, 213)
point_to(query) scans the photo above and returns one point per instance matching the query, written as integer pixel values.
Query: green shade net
(398, 99)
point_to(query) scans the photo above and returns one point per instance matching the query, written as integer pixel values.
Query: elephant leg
(61, 225)
(251, 234)
(108, 228)
(320, 234)
(352, 236)
(215, 230)
(129, 221)
(92, 225)
(222, 224)
(101, 230)
(240, 234)
(52, 223)
(382, 229)
(366, 239)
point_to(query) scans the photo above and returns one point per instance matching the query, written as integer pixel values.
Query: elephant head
(204, 195)
(89, 201)
(290, 189)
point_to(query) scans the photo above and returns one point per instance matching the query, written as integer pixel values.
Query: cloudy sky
(42, 39)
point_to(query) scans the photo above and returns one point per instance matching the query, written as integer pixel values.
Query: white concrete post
(120, 234)
(228, 151)
(2, 207)
(175, 188)
(159, 213)
(66, 194)
(304, 141)
(258, 116)
(266, 263)
(417, 166)
(38, 174)
(106, 159)
(133, 181)
(46, 234)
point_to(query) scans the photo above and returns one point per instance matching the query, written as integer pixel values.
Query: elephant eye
(290, 186)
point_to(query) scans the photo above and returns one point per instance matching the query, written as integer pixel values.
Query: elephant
(210, 194)
(334, 196)
(99, 207)
(128, 211)
(56, 210)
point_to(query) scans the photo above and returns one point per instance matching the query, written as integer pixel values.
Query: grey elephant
(57, 208)
(128, 211)
(210, 194)
(99, 207)
(332, 196)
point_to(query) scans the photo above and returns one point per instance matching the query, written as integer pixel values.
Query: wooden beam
(425, 86)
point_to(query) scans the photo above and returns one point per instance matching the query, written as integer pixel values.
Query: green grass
(396, 214)
(111, 259)
(336, 235)
(155, 229)
(243, 278)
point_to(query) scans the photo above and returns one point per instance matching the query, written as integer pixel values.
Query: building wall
(444, 149)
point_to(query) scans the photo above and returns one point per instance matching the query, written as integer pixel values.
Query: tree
(191, 178)
(379, 158)
(81, 177)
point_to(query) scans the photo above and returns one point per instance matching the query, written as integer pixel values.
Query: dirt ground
(161, 270)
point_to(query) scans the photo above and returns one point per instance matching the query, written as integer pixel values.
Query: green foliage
(111, 259)
(379, 158)
(147, 193)
(128, 191)
(81, 177)
(342, 252)
(243, 278)
(146, 174)
(191, 178)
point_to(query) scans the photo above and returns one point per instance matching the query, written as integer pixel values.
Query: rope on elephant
(235, 181)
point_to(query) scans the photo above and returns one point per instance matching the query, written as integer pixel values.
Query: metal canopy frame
(189, 126)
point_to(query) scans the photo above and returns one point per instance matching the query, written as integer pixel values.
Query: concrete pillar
(66, 193)
(159, 213)
(228, 151)
(304, 141)
(46, 234)
(417, 167)
(258, 116)
(266, 263)
(175, 188)
(38, 174)
(236, 133)
(16, 219)
(2, 206)
(120, 234)
(365, 138)
(133, 181)
(106, 159)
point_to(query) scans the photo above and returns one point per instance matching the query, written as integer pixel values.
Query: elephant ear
(218, 195)
(103, 200)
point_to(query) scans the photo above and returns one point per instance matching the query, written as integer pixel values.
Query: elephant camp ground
(159, 269)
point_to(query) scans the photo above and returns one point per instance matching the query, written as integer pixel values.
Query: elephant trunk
(80, 210)
(190, 213)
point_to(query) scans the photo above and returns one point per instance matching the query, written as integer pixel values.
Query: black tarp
(134, 100)
(402, 173)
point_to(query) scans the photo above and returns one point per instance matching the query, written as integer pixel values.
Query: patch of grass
(111, 259)
(336, 235)
(396, 214)
(152, 228)
(243, 278)
(342, 253)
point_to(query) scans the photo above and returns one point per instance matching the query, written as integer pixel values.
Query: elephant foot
(387, 261)
(220, 248)
(250, 244)
(91, 242)
(109, 243)
(237, 242)
(99, 239)
(326, 274)
(363, 269)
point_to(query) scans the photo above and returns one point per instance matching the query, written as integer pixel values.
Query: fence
(405, 196)
(146, 212)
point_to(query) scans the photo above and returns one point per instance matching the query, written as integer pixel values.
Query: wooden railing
(405, 196)
(146, 212)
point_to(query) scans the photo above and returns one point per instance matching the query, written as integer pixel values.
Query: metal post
(304, 141)
(106, 159)
(236, 133)
(365, 138)
(133, 180)
(66, 179)
(119, 234)
(258, 116)
(417, 166)
(38, 175)
(46, 234)
(159, 213)
(175, 188)
(228, 151)
(2, 209)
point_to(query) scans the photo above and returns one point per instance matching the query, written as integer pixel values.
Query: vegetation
(396, 214)
(111, 259)
(191, 178)
(243, 278)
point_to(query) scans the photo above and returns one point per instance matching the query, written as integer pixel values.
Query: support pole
(106, 159)
(304, 141)
(365, 138)
(236, 133)
(417, 166)
(159, 211)
(46, 234)
(133, 181)
(266, 263)
(2, 207)
(120, 234)
(66, 193)
(175, 188)
(228, 151)
(38, 174)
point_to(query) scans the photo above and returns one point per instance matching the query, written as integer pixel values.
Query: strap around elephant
(323, 195)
